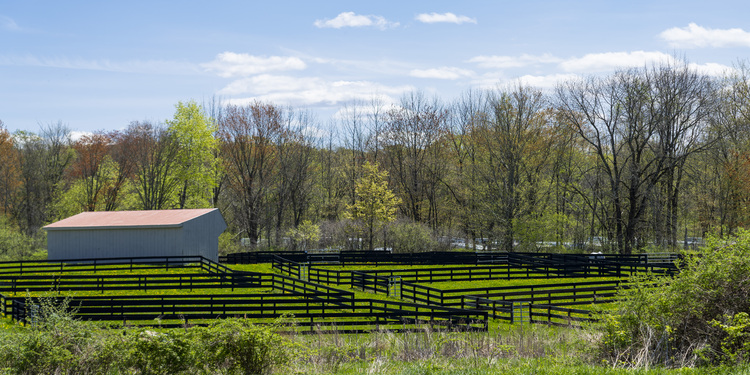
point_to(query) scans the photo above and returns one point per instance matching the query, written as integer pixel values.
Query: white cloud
(75, 135)
(495, 80)
(694, 36)
(445, 72)
(598, 62)
(307, 91)
(350, 19)
(133, 66)
(444, 17)
(546, 81)
(230, 64)
(7, 23)
(712, 69)
(504, 62)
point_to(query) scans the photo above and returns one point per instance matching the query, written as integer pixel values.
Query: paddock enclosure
(345, 292)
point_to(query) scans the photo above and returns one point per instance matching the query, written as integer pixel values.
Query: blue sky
(101, 64)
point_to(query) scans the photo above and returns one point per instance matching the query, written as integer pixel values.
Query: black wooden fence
(362, 315)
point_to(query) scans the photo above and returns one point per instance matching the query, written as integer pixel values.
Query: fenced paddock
(594, 280)
(320, 293)
(315, 307)
(312, 314)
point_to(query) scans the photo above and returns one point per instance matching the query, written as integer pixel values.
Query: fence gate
(521, 312)
(394, 287)
(304, 271)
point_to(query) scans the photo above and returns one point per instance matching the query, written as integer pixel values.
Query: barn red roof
(129, 219)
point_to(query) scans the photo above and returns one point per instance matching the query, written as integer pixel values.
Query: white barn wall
(109, 243)
(202, 234)
(194, 236)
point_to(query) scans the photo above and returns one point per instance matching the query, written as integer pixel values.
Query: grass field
(504, 348)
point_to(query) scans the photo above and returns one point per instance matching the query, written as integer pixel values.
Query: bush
(15, 245)
(411, 237)
(240, 347)
(56, 343)
(697, 316)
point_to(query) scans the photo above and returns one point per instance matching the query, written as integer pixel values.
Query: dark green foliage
(411, 237)
(58, 344)
(240, 347)
(697, 316)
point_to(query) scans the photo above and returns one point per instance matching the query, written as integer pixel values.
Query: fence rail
(366, 315)
(94, 265)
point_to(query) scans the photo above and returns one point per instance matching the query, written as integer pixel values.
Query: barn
(113, 234)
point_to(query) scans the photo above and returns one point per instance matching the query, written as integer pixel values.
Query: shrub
(15, 245)
(153, 353)
(240, 347)
(695, 316)
(56, 343)
(411, 237)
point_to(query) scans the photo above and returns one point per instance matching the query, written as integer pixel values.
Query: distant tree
(43, 161)
(122, 151)
(9, 171)
(412, 155)
(642, 125)
(91, 153)
(375, 204)
(248, 135)
(193, 133)
(155, 154)
(513, 149)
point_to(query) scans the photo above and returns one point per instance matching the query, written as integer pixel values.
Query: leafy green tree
(305, 234)
(375, 204)
(193, 131)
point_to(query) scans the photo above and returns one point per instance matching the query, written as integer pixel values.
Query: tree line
(639, 158)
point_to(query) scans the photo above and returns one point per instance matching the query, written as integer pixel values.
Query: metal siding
(199, 236)
(202, 234)
(110, 243)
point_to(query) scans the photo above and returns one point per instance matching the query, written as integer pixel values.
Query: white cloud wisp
(694, 36)
(230, 64)
(444, 18)
(351, 19)
(445, 72)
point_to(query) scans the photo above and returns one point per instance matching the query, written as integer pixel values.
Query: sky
(98, 65)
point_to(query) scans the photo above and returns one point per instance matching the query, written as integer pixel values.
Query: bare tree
(462, 182)
(642, 124)
(122, 150)
(9, 171)
(514, 146)
(412, 155)
(44, 159)
(683, 103)
(91, 151)
(154, 162)
(248, 136)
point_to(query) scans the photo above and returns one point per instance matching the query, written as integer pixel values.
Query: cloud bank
(694, 36)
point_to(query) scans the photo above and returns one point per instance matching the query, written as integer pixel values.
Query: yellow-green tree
(194, 131)
(375, 204)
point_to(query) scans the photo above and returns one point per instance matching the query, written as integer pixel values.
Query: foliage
(698, 315)
(16, 245)
(56, 343)
(375, 203)
(194, 134)
(411, 237)
(305, 234)
(241, 347)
